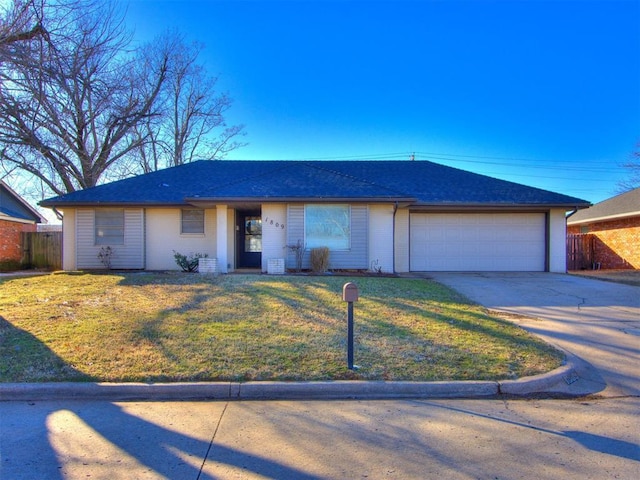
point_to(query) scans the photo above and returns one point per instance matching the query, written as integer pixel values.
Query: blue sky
(540, 92)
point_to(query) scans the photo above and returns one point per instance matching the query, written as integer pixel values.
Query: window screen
(192, 221)
(109, 224)
(327, 226)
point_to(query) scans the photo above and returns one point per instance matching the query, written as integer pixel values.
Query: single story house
(614, 226)
(16, 217)
(391, 216)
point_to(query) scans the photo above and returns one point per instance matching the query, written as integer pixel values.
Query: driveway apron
(597, 321)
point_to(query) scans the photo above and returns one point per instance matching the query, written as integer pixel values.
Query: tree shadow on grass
(32, 438)
(23, 357)
(187, 325)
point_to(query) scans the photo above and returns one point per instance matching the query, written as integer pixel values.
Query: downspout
(58, 214)
(566, 217)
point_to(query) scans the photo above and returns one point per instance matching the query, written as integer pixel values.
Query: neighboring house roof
(621, 206)
(14, 208)
(418, 183)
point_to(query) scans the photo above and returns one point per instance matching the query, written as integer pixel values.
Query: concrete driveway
(597, 321)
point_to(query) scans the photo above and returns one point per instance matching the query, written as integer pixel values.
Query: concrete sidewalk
(586, 439)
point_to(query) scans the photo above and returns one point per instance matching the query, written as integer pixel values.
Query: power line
(595, 165)
(538, 165)
(451, 159)
(525, 175)
(513, 159)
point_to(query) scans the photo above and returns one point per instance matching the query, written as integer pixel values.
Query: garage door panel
(477, 242)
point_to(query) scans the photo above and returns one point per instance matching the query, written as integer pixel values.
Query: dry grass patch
(189, 327)
(628, 277)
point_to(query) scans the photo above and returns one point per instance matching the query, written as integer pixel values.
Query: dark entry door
(249, 239)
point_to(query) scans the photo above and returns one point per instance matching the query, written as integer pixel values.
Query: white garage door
(479, 242)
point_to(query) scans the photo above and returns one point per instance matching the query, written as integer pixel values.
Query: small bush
(375, 267)
(190, 263)
(320, 259)
(298, 250)
(105, 256)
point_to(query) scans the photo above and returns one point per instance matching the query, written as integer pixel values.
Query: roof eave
(452, 206)
(63, 205)
(14, 219)
(228, 201)
(603, 218)
(328, 199)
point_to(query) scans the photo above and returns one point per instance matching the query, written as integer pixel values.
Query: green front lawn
(188, 327)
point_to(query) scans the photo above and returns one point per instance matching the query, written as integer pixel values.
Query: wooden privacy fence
(42, 250)
(580, 251)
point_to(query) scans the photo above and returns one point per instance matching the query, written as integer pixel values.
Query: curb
(557, 381)
(551, 382)
(330, 390)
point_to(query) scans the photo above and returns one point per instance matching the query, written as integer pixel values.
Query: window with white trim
(327, 226)
(192, 221)
(109, 226)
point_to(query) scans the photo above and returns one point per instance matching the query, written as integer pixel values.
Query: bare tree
(633, 165)
(71, 98)
(191, 123)
(20, 22)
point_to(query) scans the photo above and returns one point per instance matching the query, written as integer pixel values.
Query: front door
(249, 239)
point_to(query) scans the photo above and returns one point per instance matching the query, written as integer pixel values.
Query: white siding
(274, 233)
(132, 255)
(358, 255)
(381, 237)
(163, 237)
(129, 255)
(86, 251)
(478, 242)
(295, 233)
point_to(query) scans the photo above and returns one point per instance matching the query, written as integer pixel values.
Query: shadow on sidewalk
(58, 442)
(40, 443)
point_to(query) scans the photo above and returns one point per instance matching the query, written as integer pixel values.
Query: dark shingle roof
(416, 182)
(13, 205)
(623, 205)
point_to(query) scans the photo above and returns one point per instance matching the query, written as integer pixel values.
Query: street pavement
(504, 437)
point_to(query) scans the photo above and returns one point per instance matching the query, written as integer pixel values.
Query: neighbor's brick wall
(617, 242)
(11, 239)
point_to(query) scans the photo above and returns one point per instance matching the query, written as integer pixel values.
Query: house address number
(271, 221)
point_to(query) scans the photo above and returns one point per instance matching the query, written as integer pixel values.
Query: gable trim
(604, 218)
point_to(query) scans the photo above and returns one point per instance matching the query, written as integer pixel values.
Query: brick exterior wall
(617, 243)
(11, 239)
